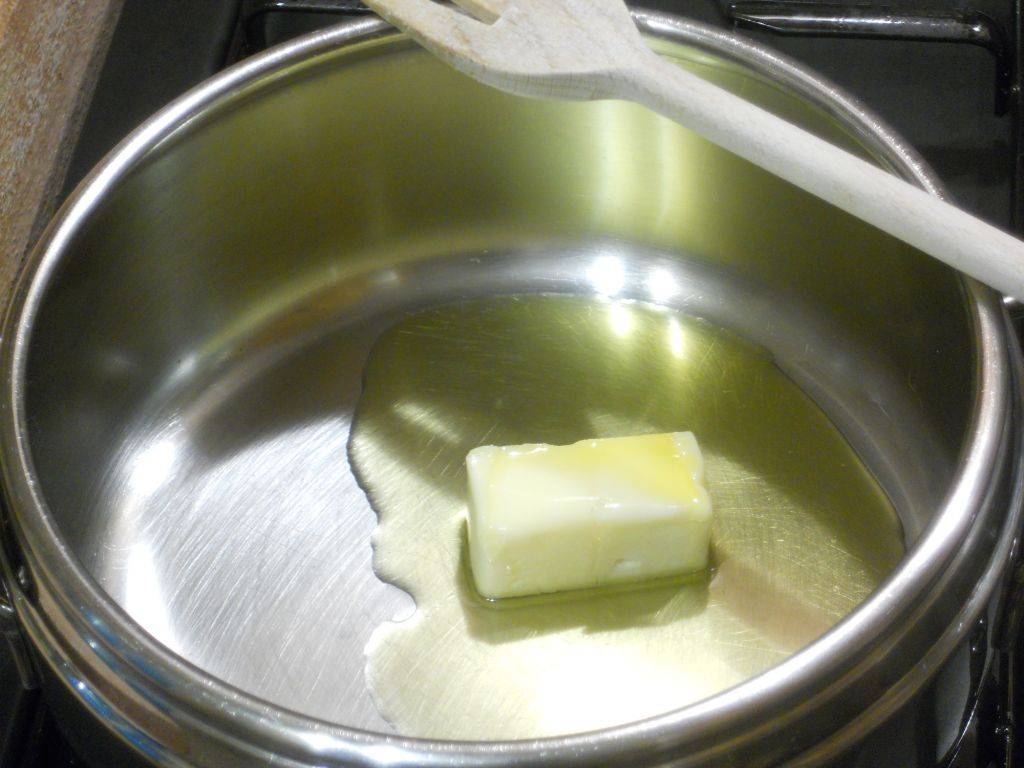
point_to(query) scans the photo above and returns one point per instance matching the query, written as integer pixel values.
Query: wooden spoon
(590, 49)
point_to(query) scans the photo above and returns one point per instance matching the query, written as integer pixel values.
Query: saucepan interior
(199, 351)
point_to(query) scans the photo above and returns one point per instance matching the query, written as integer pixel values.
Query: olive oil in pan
(802, 532)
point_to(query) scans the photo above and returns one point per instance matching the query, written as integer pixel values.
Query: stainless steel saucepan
(188, 556)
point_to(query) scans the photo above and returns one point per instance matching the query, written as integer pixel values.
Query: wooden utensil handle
(848, 182)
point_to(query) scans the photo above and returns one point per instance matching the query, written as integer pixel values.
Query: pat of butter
(546, 518)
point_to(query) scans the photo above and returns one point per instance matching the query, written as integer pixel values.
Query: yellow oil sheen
(802, 533)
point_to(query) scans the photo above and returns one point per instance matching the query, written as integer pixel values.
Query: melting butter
(801, 535)
(549, 518)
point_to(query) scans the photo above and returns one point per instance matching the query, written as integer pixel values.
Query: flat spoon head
(565, 49)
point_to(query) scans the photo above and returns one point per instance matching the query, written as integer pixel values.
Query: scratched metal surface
(199, 357)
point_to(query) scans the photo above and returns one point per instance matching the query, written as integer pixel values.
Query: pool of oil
(802, 531)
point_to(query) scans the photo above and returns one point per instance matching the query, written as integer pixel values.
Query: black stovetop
(941, 96)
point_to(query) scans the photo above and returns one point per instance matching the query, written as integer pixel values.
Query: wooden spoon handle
(854, 185)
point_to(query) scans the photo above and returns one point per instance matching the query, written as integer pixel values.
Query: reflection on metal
(620, 319)
(152, 467)
(144, 596)
(606, 275)
(250, 31)
(676, 338)
(15, 642)
(885, 23)
(662, 286)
